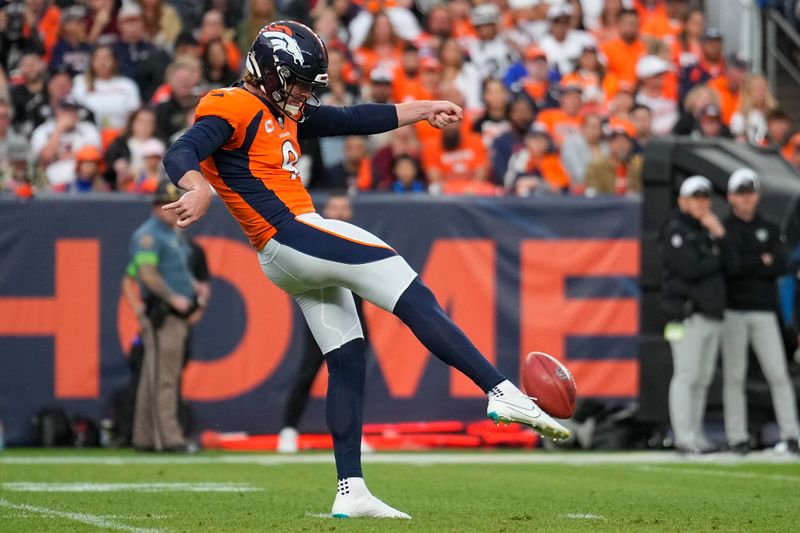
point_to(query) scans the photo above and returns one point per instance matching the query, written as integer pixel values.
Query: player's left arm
(368, 119)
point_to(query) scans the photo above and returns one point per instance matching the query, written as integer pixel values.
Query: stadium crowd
(560, 96)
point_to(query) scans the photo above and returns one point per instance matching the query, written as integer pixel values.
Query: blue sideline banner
(558, 275)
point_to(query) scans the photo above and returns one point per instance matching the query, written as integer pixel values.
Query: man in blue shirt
(160, 260)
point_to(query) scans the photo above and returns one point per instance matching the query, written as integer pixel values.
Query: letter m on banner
(579, 303)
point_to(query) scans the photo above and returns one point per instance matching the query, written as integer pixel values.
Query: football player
(244, 142)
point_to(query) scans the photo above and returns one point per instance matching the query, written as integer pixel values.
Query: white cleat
(366, 505)
(287, 441)
(523, 410)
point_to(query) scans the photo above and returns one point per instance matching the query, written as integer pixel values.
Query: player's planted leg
(419, 310)
(346, 371)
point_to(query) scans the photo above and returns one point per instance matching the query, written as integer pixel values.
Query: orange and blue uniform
(248, 152)
(257, 161)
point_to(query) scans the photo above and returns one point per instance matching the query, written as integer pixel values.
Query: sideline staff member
(750, 316)
(692, 244)
(161, 259)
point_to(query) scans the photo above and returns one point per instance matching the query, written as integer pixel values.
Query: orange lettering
(548, 316)
(71, 316)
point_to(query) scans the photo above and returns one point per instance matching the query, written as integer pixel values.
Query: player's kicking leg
(418, 309)
(366, 265)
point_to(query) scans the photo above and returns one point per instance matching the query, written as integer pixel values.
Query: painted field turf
(533, 491)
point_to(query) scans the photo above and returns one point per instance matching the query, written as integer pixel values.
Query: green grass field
(492, 491)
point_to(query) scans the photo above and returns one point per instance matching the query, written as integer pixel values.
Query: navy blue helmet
(289, 61)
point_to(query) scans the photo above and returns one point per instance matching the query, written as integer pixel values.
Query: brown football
(550, 382)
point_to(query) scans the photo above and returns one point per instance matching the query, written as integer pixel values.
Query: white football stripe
(24, 486)
(84, 518)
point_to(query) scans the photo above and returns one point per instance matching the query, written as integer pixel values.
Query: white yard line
(25, 486)
(574, 459)
(584, 516)
(84, 518)
(718, 473)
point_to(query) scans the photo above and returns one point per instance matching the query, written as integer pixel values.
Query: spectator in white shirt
(54, 143)
(650, 70)
(563, 45)
(112, 98)
(489, 52)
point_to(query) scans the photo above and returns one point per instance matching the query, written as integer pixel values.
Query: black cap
(166, 193)
(712, 33)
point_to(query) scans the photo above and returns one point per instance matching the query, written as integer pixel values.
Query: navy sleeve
(364, 119)
(205, 137)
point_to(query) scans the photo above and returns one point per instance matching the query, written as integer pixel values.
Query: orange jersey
(622, 57)
(559, 123)
(254, 172)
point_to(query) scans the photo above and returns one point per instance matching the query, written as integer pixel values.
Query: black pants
(309, 367)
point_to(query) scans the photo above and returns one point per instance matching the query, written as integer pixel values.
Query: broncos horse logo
(279, 40)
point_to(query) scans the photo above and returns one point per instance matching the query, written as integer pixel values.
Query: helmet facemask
(293, 95)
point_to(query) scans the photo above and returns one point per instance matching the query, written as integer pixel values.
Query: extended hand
(442, 113)
(191, 206)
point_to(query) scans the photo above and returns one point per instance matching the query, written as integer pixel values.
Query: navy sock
(419, 310)
(346, 371)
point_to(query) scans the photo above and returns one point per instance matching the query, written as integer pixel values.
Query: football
(550, 382)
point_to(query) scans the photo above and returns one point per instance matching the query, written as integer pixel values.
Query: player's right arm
(182, 163)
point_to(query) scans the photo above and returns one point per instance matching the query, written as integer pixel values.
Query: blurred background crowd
(560, 96)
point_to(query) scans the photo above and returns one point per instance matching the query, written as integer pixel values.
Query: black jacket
(693, 269)
(752, 284)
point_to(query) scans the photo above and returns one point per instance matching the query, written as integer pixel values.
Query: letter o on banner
(267, 332)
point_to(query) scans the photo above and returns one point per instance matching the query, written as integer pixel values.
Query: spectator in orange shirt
(589, 74)
(406, 77)
(666, 23)
(791, 152)
(536, 169)
(456, 156)
(381, 47)
(47, 19)
(212, 28)
(623, 53)
(710, 65)
(566, 119)
(729, 86)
